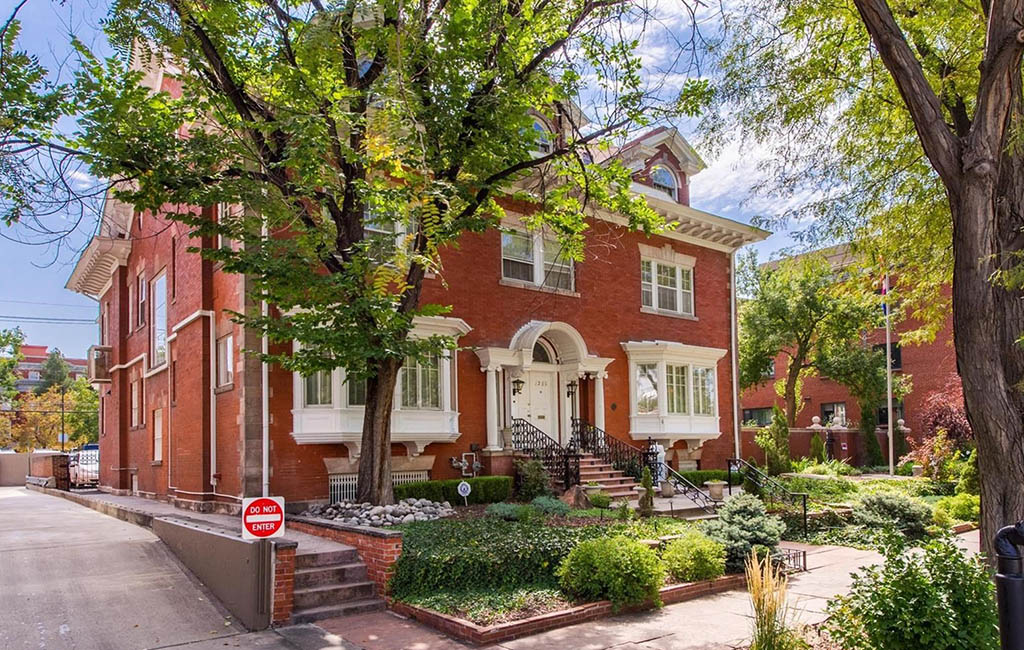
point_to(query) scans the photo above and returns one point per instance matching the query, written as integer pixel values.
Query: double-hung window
(666, 287)
(141, 292)
(646, 388)
(356, 392)
(421, 383)
(675, 380)
(534, 259)
(704, 391)
(158, 344)
(318, 389)
(381, 236)
(226, 360)
(136, 402)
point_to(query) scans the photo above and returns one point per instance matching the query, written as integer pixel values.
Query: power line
(48, 319)
(47, 304)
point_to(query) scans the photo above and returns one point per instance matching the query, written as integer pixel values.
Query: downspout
(734, 329)
(213, 403)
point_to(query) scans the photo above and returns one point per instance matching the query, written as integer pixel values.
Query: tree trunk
(792, 379)
(987, 320)
(375, 450)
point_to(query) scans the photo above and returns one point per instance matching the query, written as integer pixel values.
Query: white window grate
(343, 487)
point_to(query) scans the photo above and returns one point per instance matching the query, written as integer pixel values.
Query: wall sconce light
(570, 388)
(517, 386)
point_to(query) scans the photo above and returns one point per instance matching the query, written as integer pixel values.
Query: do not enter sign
(262, 517)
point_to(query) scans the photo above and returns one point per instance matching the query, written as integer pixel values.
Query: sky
(32, 278)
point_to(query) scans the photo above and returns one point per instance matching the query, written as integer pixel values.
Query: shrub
(600, 499)
(743, 523)
(966, 472)
(693, 557)
(550, 506)
(893, 511)
(823, 489)
(962, 507)
(486, 489)
(774, 440)
(817, 448)
(458, 555)
(934, 454)
(768, 586)
(506, 511)
(532, 480)
(699, 476)
(944, 410)
(619, 569)
(940, 599)
(622, 513)
(645, 508)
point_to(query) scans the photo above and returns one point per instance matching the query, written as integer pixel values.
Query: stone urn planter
(667, 489)
(917, 470)
(716, 489)
(591, 489)
(506, 437)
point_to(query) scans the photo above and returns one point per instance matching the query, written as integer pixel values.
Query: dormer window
(664, 180)
(543, 141)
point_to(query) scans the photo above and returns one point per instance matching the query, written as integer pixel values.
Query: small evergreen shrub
(966, 471)
(645, 508)
(890, 510)
(622, 513)
(693, 557)
(742, 524)
(938, 598)
(619, 569)
(532, 480)
(962, 507)
(485, 489)
(774, 440)
(600, 500)
(817, 448)
(506, 511)
(550, 506)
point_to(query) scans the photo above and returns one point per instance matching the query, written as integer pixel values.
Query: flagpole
(888, 371)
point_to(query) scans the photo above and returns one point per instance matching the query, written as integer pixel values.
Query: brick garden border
(482, 635)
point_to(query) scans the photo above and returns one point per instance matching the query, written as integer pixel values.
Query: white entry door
(541, 406)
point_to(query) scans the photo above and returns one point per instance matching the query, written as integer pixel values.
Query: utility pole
(63, 437)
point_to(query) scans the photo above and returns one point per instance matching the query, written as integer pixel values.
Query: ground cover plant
(618, 569)
(492, 605)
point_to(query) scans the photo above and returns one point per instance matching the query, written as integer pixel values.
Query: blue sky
(32, 278)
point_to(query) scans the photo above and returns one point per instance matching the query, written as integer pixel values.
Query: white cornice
(97, 263)
(653, 351)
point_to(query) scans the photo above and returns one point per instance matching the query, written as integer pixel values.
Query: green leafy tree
(10, 356)
(329, 123)
(796, 308)
(903, 120)
(774, 440)
(55, 371)
(82, 419)
(817, 448)
(862, 370)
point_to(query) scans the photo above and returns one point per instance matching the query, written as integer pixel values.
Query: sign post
(464, 490)
(262, 517)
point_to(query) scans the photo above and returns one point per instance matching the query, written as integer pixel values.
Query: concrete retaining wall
(13, 469)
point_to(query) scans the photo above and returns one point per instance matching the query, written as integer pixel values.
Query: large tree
(10, 357)
(798, 309)
(358, 139)
(905, 118)
(55, 371)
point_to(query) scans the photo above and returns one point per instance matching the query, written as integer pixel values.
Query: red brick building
(636, 339)
(931, 366)
(30, 368)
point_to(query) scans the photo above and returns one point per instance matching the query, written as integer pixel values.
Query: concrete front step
(333, 611)
(608, 480)
(330, 574)
(326, 558)
(321, 595)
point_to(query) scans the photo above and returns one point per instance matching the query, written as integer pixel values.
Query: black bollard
(1010, 586)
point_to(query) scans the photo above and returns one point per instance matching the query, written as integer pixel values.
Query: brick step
(611, 483)
(619, 492)
(330, 574)
(314, 614)
(322, 595)
(326, 558)
(601, 471)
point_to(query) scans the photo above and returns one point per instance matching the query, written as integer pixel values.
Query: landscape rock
(364, 514)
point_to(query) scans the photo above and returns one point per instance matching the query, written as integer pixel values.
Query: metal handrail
(689, 490)
(558, 461)
(765, 482)
(620, 455)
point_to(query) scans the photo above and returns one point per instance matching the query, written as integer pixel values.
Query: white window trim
(154, 325)
(227, 364)
(414, 427)
(158, 435)
(538, 242)
(663, 425)
(675, 180)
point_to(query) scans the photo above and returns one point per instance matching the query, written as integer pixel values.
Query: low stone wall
(483, 635)
(45, 465)
(378, 548)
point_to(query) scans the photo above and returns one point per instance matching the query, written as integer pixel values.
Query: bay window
(704, 402)
(420, 385)
(646, 388)
(676, 383)
(317, 389)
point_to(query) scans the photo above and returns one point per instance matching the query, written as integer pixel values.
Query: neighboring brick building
(30, 368)
(931, 366)
(640, 334)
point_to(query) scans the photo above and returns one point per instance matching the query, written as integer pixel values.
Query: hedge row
(699, 476)
(486, 489)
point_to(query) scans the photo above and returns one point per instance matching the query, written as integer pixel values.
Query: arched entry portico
(530, 379)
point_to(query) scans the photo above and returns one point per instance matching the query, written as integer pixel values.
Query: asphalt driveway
(71, 577)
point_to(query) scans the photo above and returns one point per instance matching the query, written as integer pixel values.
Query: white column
(599, 401)
(493, 435)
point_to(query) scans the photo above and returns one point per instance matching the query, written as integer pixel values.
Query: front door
(541, 408)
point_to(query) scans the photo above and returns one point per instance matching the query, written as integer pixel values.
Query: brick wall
(284, 585)
(378, 549)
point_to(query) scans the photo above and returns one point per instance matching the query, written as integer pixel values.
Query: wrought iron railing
(790, 560)
(620, 455)
(687, 489)
(562, 464)
(769, 487)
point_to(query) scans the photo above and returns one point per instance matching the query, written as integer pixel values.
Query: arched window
(664, 180)
(542, 353)
(543, 142)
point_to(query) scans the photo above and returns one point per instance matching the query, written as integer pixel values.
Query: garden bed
(533, 624)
